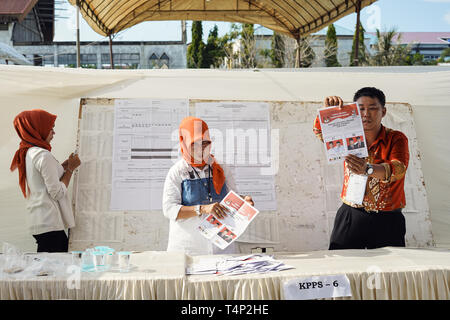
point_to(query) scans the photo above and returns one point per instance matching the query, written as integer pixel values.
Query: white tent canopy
(59, 91)
(10, 54)
(293, 18)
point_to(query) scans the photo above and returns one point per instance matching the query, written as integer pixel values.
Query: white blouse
(183, 234)
(48, 202)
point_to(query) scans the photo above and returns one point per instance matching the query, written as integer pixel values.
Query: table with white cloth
(155, 275)
(402, 273)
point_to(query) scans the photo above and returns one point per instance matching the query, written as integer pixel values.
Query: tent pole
(111, 59)
(78, 34)
(358, 23)
(297, 53)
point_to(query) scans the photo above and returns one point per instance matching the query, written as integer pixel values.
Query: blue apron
(194, 192)
(198, 191)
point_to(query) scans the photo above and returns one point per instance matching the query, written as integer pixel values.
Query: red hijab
(192, 130)
(33, 128)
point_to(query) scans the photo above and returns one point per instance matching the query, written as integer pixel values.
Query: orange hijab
(33, 128)
(192, 130)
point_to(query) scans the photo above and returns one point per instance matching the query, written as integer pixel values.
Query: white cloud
(447, 17)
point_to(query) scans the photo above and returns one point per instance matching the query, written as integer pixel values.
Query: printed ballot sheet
(143, 150)
(253, 263)
(222, 232)
(342, 132)
(243, 140)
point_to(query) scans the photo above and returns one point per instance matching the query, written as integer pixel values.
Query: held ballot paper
(343, 132)
(222, 232)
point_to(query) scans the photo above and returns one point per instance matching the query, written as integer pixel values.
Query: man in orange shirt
(378, 221)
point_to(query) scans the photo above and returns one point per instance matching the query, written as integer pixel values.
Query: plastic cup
(124, 260)
(109, 259)
(87, 261)
(76, 257)
(99, 260)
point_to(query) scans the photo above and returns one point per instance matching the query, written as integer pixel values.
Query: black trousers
(53, 241)
(355, 228)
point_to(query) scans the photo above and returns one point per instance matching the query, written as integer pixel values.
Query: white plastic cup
(99, 260)
(76, 258)
(124, 260)
(87, 261)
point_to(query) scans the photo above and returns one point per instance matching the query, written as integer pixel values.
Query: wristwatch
(197, 210)
(369, 169)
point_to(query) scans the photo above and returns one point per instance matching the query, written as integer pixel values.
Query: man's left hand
(65, 164)
(355, 164)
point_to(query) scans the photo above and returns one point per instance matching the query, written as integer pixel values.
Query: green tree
(388, 52)
(276, 53)
(196, 48)
(307, 54)
(213, 53)
(362, 55)
(248, 46)
(331, 48)
(415, 59)
(226, 45)
(445, 56)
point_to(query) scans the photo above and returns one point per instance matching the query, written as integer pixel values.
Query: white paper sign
(143, 151)
(317, 287)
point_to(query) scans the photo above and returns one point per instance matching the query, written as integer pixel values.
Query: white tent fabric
(426, 89)
(11, 54)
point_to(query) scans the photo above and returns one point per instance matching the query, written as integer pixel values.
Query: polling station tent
(59, 91)
(293, 18)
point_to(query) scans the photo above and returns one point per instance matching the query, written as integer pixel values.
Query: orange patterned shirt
(391, 150)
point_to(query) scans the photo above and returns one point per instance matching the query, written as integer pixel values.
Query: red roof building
(15, 10)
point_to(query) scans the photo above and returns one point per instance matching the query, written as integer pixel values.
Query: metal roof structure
(295, 18)
(15, 10)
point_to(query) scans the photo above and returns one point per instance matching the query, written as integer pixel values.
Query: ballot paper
(222, 232)
(342, 132)
(253, 263)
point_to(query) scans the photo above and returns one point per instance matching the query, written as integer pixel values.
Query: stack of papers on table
(254, 263)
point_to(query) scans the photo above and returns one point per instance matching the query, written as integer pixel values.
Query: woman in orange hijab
(43, 180)
(194, 187)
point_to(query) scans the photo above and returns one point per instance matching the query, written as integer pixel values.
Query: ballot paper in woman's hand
(222, 232)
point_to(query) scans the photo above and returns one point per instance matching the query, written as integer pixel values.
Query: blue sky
(405, 15)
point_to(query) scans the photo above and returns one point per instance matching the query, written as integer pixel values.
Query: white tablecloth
(153, 275)
(403, 273)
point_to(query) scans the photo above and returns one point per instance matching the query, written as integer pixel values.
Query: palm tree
(388, 52)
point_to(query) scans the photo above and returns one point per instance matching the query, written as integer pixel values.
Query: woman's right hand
(73, 162)
(332, 101)
(216, 209)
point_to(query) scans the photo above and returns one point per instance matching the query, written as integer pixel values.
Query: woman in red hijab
(43, 180)
(194, 186)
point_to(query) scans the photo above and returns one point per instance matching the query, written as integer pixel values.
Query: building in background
(428, 44)
(263, 37)
(29, 27)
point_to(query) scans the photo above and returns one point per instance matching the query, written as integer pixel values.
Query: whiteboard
(307, 188)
